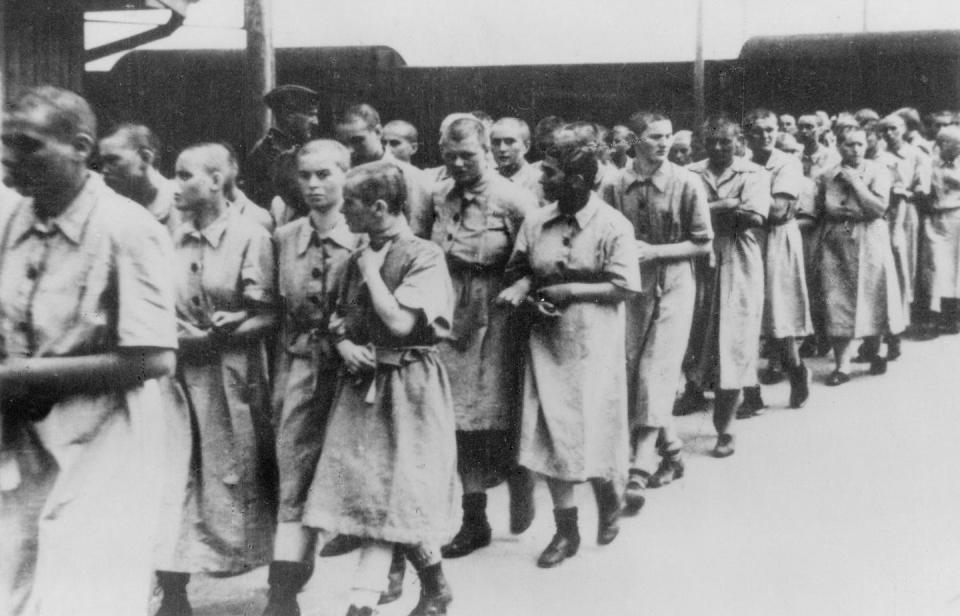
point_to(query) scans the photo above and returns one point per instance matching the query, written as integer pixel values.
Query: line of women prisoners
(406, 327)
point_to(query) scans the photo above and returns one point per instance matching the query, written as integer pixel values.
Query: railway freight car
(190, 95)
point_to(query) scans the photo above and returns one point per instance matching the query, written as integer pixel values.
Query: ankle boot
(435, 592)
(475, 532)
(799, 386)
(522, 509)
(752, 405)
(671, 468)
(286, 579)
(174, 587)
(608, 511)
(566, 542)
(398, 570)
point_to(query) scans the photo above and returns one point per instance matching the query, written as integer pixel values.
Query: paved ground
(850, 506)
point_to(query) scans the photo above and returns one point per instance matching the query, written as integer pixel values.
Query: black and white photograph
(490, 307)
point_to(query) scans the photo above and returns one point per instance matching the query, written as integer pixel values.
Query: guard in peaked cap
(270, 169)
(290, 96)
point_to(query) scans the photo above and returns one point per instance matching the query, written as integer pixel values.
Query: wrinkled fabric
(729, 356)
(857, 271)
(229, 519)
(574, 423)
(388, 466)
(476, 229)
(80, 530)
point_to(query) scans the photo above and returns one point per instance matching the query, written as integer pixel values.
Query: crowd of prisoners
(325, 347)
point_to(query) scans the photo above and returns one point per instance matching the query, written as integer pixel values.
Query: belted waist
(456, 265)
(402, 356)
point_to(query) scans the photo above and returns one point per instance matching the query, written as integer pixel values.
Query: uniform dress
(821, 160)
(230, 513)
(574, 424)
(311, 266)
(388, 467)
(476, 228)
(528, 176)
(79, 530)
(730, 352)
(942, 235)
(910, 170)
(786, 305)
(857, 271)
(669, 207)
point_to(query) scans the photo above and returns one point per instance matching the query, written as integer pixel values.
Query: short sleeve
(258, 271)
(696, 211)
(145, 302)
(755, 193)
(788, 179)
(426, 288)
(620, 255)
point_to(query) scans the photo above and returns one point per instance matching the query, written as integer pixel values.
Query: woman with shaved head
(224, 281)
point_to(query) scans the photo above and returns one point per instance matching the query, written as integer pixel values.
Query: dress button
(561, 265)
(449, 237)
(316, 273)
(566, 241)
(456, 218)
(32, 272)
(315, 300)
(196, 301)
(194, 268)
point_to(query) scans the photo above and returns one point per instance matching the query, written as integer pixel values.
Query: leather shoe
(724, 447)
(472, 536)
(559, 549)
(837, 378)
(671, 468)
(340, 545)
(752, 405)
(633, 497)
(608, 511)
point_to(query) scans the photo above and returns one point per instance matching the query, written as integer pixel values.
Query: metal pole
(259, 69)
(698, 72)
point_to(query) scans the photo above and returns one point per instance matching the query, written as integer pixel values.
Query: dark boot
(398, 569)
(475, 532)
(435, 592)
(608, 510)
(366, 610)
(565, 543)
(752, 405)
(671, 468)
(799, 386)
(520, 483)
(286, 579)
(174, 587)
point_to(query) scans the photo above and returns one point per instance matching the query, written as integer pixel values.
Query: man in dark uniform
(270, 167)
